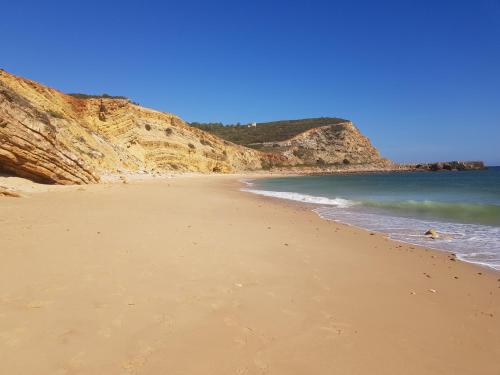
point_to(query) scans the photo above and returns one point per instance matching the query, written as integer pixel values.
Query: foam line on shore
(305, 198)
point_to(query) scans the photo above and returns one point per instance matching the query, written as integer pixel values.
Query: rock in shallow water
(431, 233)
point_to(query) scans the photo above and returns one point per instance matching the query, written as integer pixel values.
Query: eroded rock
(51, 137)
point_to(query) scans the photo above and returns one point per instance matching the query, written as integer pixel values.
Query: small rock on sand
(8, 193)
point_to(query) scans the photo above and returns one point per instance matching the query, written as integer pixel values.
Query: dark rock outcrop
(451, 166)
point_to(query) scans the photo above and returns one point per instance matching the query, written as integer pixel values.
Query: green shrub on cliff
(275, 131)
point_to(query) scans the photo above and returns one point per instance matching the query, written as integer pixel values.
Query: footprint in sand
(230, 322)
(272, 294)
(117, 322)
(240, 341)
(335, 329)
(67, 335)
(261, 365)
(215, 306)
(77, 360)
(38, 304)
(14, 337)
(133, 365)
(317, 298)
(105, 332)
(165, 321)
(289, 312)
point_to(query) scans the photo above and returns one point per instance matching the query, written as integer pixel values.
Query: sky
(420, 78)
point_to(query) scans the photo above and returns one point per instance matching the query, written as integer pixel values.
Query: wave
(305, 198)
(488, 214)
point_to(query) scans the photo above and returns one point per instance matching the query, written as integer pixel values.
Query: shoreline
(316, 206)
(192, 275)
(17, 187)
(13, 182)
(312, 206)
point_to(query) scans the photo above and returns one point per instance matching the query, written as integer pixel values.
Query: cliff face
(51, 137)
(340, 144)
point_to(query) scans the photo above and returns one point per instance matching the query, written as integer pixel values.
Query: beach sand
(189, 275)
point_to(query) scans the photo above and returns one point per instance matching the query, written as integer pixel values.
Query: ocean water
(464, 207)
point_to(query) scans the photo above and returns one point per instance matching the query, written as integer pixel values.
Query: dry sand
(191, 276)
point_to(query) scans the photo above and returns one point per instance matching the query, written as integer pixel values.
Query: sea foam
(473, 243)
(338, 202)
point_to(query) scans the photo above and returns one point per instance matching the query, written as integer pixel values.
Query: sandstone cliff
(331, 145)
(51, 137)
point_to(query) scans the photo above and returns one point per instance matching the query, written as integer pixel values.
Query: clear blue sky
(420, 78)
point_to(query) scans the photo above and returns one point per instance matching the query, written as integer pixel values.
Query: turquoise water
(463, 206)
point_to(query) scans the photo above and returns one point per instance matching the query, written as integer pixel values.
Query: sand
(189, 275)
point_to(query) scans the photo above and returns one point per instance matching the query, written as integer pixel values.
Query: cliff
(332, 145)
(321, 143)
(52, 137)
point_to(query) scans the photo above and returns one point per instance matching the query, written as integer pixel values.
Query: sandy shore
(191, 276)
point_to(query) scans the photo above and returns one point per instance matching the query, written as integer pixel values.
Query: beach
(190, 275)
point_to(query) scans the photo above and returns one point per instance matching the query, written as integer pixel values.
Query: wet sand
(189, 275)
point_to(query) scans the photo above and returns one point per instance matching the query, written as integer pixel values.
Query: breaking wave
(488, 214)
(339, 202)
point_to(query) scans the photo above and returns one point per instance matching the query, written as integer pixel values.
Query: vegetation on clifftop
(101, 96)
(92, 96)
(275, 131)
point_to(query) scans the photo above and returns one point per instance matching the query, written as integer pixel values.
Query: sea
(463, 207)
